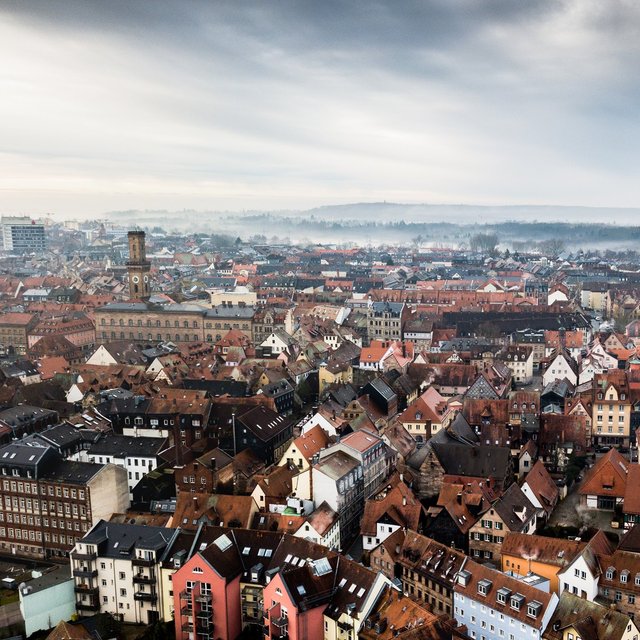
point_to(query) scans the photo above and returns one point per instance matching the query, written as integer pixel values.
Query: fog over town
(319, 320)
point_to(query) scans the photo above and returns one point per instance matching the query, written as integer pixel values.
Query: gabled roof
(557, 552)
(632, 494)
(309, 443)
(66, 631)
(607, 477)
(514, 508)
(542, 486)
(591, 620)
(397, 505)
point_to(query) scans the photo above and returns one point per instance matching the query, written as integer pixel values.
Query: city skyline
(224, 106)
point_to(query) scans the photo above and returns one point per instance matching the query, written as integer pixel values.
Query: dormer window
(610, 572)
(484, 586)
(502, 595)
(463, 578)
(516, 601)
(533, 609)
(637, 580)
(624, 576)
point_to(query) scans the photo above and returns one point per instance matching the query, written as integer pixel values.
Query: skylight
(321, 567)
(223, 542)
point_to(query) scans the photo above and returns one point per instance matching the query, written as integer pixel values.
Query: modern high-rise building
(22, 235)
(138, 267)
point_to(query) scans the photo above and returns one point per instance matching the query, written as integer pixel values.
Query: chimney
(404, 501)
(195, 502)
(213, 464)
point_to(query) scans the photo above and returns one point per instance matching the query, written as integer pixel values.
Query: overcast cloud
(274, 104)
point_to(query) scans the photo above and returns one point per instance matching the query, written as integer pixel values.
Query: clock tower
(138, 267)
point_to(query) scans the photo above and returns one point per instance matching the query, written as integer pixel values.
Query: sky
(277, 104)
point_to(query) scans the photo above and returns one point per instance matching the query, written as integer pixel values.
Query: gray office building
(22, 235)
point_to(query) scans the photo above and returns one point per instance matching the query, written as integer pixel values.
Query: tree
(552, 247)
(484, 243)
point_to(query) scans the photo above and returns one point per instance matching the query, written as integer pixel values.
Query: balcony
(280, 622)
(143, 596)
(141, 579)
(143, 562)
(187, 627)
(86, 589)
(87, 606)
(204, 598)
(186, 610)
(85, 572)
(88, 557)
(204, 626)
(204, 614)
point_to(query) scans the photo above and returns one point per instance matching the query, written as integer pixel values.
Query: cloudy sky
(277, 104)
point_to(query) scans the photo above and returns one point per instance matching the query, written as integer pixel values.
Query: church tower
(138, 267)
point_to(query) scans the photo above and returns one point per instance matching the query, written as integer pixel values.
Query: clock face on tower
(135, 279)
(146, 278)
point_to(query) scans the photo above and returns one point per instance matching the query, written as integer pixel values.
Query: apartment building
(611, 409)
(138, 456)
(494, 605)
(276, 584)
(117, 570)
(338, 480)
(48, 503)
(385, 320)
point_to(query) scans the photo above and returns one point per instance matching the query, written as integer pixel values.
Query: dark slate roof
(379, 385)
(72, 472)
(278, 388)
(482, 461)
(233, 388)
(263, 422)
(64, 435)
(24, 414)
(562, 388)
(514, 500)
(343, 394)
(121, 540)
(23, 454)
(127, 446)
(229, 312)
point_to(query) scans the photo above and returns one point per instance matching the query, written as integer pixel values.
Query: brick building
(49, 503)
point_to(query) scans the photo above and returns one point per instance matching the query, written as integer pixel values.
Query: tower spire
(138, 267)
